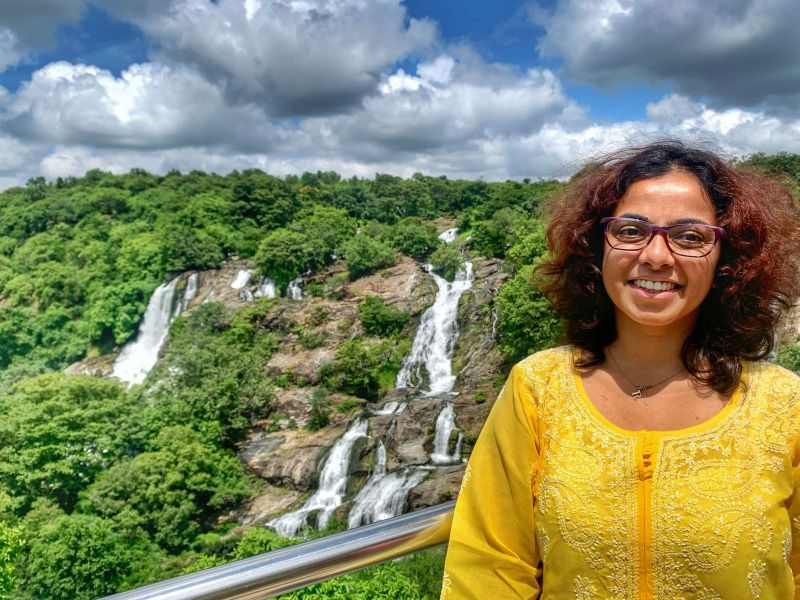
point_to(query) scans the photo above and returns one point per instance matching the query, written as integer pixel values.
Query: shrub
(380, 319)
(447, 260)
(364, 255)
(527, 321)
(320, 410)
(415, 237)
(789, 357)
(363, 368)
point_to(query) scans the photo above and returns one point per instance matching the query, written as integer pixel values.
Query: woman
(657, 456)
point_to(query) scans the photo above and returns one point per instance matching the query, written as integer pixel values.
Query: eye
(691, 236)
(630, 230)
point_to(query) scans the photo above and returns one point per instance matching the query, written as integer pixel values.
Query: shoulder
(772, 382)
(544, 366)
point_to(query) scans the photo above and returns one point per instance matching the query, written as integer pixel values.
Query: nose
(657, 254)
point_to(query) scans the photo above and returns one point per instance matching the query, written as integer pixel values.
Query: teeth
(659, 286)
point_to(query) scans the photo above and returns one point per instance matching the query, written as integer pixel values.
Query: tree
(527, 321)
(284, 255)
(447, 260)
(11, 542)
(169, 490)
(57, 432)
(362, 368)
(82, 557)
(415, 238)
(364, 255)
(379, 319)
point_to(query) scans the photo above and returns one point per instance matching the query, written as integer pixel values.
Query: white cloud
(741, 52)
(147, 106)
(448, 102)
(292, 58)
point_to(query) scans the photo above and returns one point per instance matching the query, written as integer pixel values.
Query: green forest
(105, 488)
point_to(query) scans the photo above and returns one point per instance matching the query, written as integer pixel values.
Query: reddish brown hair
(757, 277)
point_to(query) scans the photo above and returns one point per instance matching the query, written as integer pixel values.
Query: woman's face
(664, 200)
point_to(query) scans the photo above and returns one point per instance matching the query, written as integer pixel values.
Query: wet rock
(288, 458)
(440, 486)
(270, 502)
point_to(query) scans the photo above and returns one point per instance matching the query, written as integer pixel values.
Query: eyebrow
(681, 221)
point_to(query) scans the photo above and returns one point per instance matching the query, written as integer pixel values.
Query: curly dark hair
(757, 277)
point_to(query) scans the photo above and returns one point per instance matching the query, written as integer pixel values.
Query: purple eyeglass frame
(719, 232)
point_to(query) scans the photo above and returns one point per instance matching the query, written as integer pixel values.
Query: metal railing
(298, 566)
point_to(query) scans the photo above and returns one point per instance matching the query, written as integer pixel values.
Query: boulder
(440, 486)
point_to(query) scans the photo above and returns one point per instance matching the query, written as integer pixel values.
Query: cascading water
(242, 279)
(390, 408)
(138, 357)
(449, 235)
(445, 424)
(190, 293)
(266, 288)
(436, 336)
(332, 485)
(383, 496)
(293, 290)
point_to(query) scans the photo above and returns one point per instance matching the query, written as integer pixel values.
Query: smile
(656, 286)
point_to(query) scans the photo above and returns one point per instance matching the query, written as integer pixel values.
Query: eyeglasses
(687, 239)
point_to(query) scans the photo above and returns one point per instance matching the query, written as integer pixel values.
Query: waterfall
(190, 293)
(436, 336)
(449, 235)
(138, 356)
(445, 424)
(266, 288)
(293, 291)
(242, 279)
(390, 408)
(332, 484)
(383, 496)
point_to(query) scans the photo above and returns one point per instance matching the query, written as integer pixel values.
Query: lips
(655, 286)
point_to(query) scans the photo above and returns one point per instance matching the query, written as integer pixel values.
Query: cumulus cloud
(292, 57)
(147, 106)
(741, 52)
(451, 100)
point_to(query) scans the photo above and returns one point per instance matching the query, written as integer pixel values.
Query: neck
(654, 351)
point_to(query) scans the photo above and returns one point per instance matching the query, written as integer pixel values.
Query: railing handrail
(298, 566)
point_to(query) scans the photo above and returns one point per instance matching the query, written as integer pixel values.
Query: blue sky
(464, 88)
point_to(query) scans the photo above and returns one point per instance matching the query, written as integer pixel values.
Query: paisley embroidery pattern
(583, 588)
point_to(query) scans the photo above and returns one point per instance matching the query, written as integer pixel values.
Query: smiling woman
(657, 456)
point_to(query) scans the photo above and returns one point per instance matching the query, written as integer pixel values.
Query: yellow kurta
(557, 502)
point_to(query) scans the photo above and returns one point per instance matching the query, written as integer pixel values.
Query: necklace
(639, 390)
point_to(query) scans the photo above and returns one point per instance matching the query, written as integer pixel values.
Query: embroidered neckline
(579, 392)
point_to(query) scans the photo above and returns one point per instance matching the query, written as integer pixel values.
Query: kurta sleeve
(794, 517)
(492, 550)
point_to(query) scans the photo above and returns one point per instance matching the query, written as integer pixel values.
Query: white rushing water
(190, 293)
(266, 288)
(383, 496)
(445, 424)
(293, 290)
(390, 408)
(448, 235)
(332, 485)
(242, 279)
(436, 337)
(138, 356)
